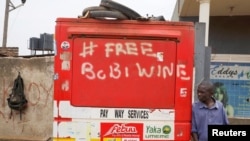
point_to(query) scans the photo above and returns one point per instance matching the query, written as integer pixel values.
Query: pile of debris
(109, 9)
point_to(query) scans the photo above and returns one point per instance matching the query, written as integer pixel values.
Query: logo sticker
(121, 131)
(166, 129)
(65, 45)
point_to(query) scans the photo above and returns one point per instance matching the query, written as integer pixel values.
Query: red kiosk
(123, 80)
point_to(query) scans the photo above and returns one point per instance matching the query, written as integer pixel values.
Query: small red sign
(121, 131)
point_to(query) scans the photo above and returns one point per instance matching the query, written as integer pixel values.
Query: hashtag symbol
(88, 50)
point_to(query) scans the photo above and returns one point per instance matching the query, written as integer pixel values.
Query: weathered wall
(37, 118)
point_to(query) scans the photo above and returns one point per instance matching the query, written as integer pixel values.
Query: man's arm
(194, 136)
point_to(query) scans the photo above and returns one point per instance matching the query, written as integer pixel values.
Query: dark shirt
(202, 116)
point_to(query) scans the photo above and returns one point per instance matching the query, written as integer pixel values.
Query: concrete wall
(37, 118)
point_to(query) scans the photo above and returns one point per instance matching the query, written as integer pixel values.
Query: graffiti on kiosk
(128, 48)
(116, 71)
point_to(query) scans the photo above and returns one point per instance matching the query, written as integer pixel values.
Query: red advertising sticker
(121, 131)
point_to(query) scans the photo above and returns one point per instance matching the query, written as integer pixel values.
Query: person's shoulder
(219, 103)
(229, 106)
(196, 104)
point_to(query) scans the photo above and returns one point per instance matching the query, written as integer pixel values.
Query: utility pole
(6, 19)
(8, 4)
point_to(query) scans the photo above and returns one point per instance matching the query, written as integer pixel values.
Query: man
(206, 111)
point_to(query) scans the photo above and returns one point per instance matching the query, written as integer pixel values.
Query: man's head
(205, 91)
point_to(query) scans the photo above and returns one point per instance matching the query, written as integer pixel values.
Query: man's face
(203, 93)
